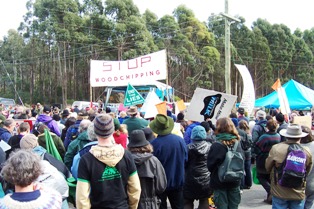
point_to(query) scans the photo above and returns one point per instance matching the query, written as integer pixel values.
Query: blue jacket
(5, 135)
(188, 132)
(171, 151)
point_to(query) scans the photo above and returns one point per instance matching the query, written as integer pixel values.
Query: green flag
(132, 97)
(51, 147)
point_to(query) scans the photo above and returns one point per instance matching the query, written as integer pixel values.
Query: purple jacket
(48, 121)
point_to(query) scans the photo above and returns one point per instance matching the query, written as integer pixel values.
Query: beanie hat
(198, 133)
(180, 116)
(103, 125)
(29, 141)
(205, 124)
(235, 122)
(280, 117)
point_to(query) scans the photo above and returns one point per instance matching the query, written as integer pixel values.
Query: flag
(282, 96)
(276, 85)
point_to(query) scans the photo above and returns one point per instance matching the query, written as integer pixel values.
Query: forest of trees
(48, 56)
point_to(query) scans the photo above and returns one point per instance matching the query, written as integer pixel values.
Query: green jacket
(74, 147)
(57, 140)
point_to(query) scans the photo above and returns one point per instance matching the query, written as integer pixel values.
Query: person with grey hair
(76, 145)
(7, 130)
(22, 169)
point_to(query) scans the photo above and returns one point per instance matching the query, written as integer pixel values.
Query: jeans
(227, 198)
(284, 204)
(175, 198)
(203, 203)
(264, 179)
(247, 178)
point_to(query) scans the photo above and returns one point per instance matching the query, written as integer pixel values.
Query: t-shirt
(108, 184)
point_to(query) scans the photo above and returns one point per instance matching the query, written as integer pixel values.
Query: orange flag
(162, 108)
(276, 85)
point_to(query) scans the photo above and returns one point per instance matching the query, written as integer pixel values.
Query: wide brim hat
(149, 135)
(132, 110)
(65, 112)
(162, 125)
(137, 139)
(293, 131)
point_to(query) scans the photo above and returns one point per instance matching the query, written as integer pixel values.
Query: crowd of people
(121, 160)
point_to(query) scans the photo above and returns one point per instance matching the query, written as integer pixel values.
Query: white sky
(294, 14)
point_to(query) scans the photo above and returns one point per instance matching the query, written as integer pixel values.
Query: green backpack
(232, 168)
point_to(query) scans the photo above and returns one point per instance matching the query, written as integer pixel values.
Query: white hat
(293, 131)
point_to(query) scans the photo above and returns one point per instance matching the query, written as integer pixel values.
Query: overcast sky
(294, 14)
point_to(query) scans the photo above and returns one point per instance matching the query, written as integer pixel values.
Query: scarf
(225, 136)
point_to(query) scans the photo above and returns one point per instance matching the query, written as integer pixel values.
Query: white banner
(248, 96)
(144, 69)
(209, 104)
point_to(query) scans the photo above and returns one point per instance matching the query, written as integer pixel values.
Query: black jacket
(197, 176)
(216, 156)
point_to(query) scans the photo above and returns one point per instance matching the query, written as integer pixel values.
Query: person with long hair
(244, 129)
(150, 171)
(226, 194)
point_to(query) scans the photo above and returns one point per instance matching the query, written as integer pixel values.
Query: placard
(210, 104)
(303, 120)
(132, 97)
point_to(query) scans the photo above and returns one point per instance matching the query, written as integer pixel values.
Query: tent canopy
(299, 97)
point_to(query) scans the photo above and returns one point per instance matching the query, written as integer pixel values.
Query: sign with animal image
(210, 104)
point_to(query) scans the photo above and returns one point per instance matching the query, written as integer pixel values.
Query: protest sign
(132, 97)
(210, 104)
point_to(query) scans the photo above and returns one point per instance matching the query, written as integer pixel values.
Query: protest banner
(147, 68)
(210, 104)
(149, 109)
(248, 95)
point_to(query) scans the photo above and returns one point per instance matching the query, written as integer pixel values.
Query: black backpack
(37, 125)
(246, 142)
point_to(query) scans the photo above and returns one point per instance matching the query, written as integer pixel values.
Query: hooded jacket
(152, 177)
(197, 176)
(107, 178)
(74, 147)
(48, 121)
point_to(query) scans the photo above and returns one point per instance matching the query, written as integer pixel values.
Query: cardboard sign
(162, 108)
(181, 106)
(303, 120)
(132, 97)
(210, 104)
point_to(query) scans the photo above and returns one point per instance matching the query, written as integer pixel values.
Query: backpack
(292, 171)
(37, 125)
(232, 168)
(246, 142)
